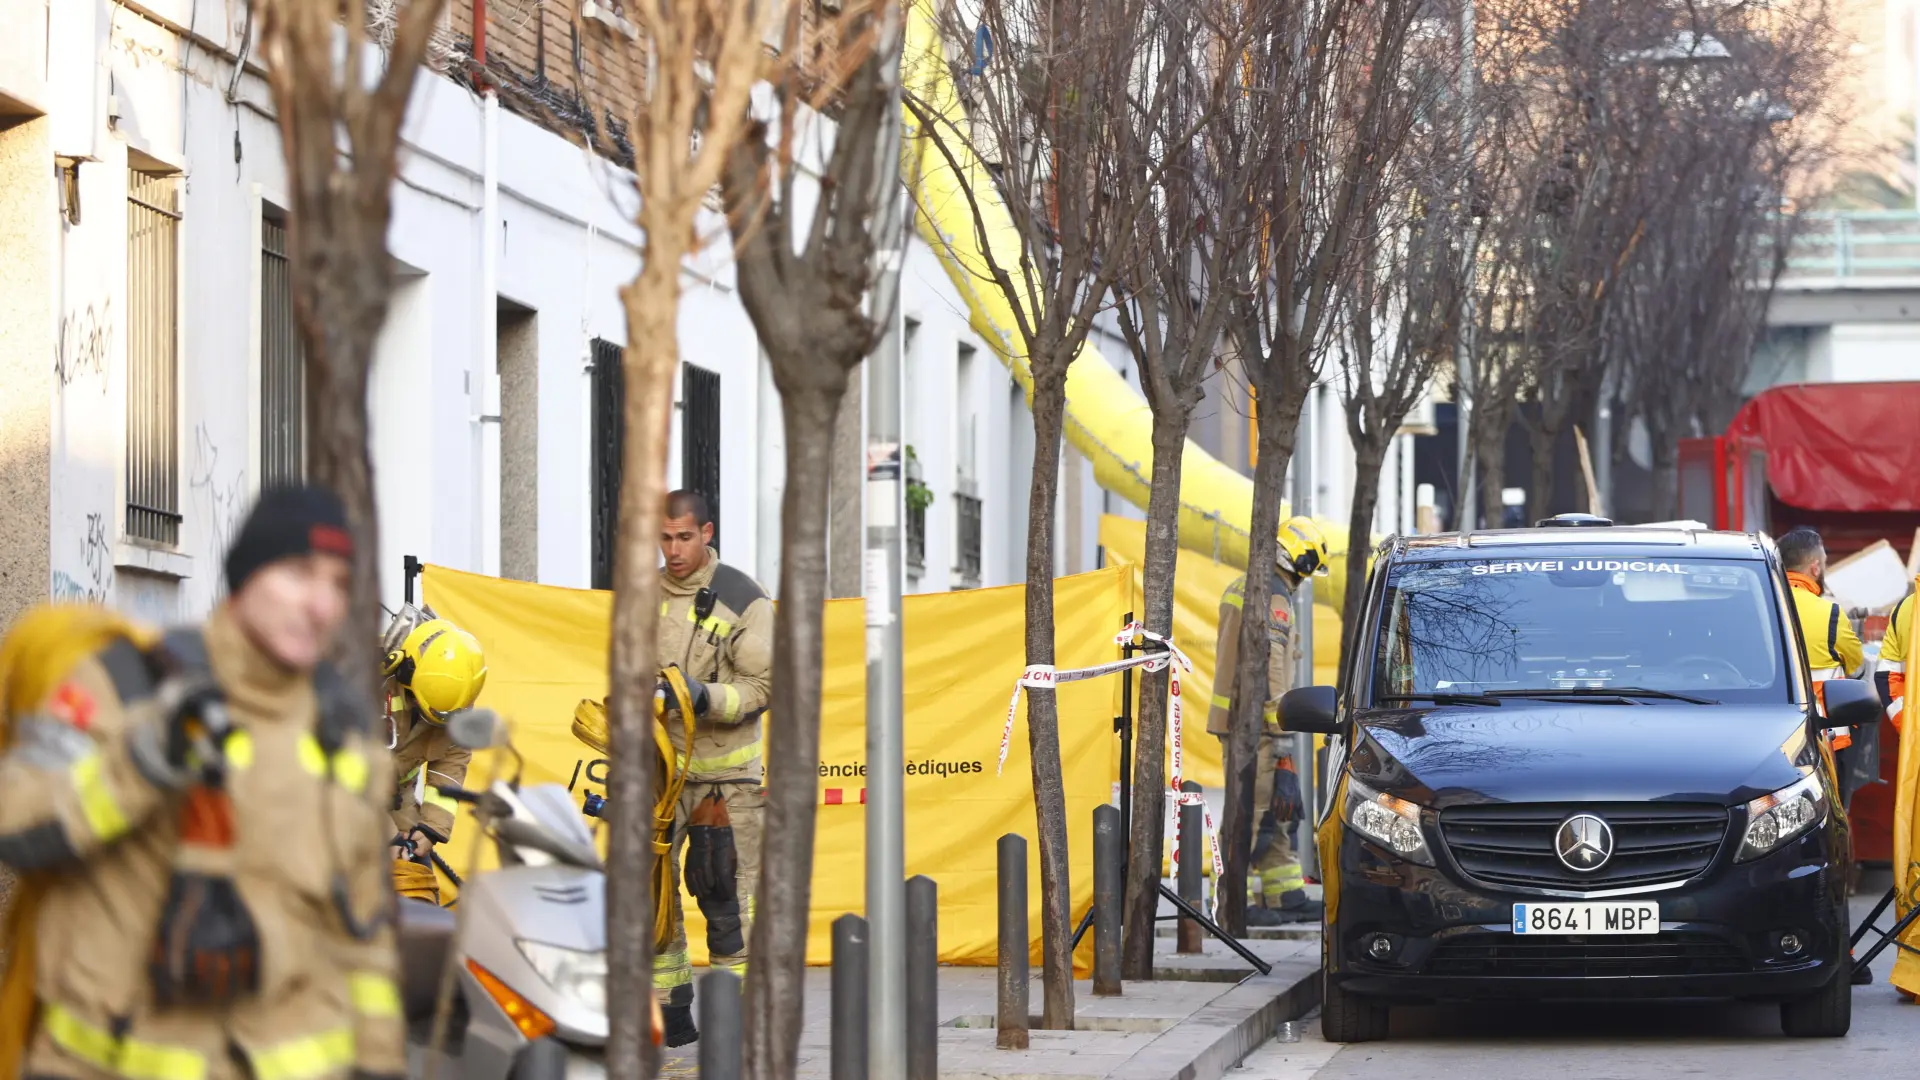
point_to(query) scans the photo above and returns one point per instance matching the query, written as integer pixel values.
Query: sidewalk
(1195, 1027)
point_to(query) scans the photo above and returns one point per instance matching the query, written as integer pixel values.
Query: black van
(1581, 761)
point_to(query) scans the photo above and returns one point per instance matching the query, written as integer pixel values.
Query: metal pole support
(1011, 1023)
(1109, 899)
(721, 1031)
(1192, 890)
(848, 1025)
(923, 979)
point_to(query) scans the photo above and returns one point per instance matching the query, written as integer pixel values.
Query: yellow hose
(1106, 419)
(670, 778)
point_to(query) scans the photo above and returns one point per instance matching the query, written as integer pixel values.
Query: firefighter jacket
(424, 757)
(1283, 653)
(1833, 649)
(717, 624)
(77, 805)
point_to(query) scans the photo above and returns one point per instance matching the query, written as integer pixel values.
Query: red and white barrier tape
(1047, 677)
(1176, 800)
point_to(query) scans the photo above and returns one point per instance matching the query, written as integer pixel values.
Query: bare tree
(1402, 319)
(804, 272)
(339, 205)
(704, 58)
(1036, 127)
(1331, 76)
(1200, 158)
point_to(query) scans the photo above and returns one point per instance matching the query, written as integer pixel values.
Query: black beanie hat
(288, 521)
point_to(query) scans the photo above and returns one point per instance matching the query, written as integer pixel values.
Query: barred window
(283, 442)
(700, 437)
(153, 357)
(966, 569)
(608, 435)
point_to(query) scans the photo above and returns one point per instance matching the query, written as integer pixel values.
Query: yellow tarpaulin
(547, 649)
(1198, 584)
(1906, 829)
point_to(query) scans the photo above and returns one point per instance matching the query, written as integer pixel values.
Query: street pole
(1463, 339)
(883, 566)
(1302, 744)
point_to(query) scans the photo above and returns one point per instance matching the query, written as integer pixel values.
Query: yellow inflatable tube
(1106, 419)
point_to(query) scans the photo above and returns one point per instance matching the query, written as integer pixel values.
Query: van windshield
(1704, 628)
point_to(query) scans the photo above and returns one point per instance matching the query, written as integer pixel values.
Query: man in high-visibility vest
(1833, 649)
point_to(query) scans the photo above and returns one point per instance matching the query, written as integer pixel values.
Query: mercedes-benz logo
(1584, 843)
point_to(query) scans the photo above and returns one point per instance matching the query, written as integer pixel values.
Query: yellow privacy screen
(547, 649)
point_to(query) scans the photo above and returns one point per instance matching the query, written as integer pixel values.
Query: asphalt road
(1609, 1042)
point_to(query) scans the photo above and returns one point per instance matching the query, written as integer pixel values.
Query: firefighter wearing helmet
(434, 669)
(1276, 886)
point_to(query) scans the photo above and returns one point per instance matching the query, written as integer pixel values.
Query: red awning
(1839, 446)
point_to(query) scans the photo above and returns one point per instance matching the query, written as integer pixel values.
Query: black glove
(696, 690)
(711, 862)
(1287, 803)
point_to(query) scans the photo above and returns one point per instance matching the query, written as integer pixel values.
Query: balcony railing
(1856, 244)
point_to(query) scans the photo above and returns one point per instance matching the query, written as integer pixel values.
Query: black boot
(679, 1021)
(1295, 907)
(1263, 916)
(1862, 975)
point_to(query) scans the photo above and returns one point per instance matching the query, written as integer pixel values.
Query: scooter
(527, 941)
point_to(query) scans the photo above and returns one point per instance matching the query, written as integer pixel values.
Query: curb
(1214, 1040)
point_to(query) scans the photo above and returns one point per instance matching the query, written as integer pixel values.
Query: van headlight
(1774, 819)
(1388, 821)
(577, 974)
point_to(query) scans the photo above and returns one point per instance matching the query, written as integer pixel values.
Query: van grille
(1525, 956)
(1653, 843)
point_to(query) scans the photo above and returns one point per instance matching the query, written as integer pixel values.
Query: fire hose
(670, 778)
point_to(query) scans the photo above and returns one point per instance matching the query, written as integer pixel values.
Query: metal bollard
(721, 1035)
(1011, 1024)
(848, 1024)
(1192, 889)
(923, 979)
(1109, 899)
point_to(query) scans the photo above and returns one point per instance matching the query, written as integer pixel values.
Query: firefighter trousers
(1275, 869)
(729, 923)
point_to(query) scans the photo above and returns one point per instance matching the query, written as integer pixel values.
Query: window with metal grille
(966, 508)
(153, 357)
(283, 429)
(608, 435)
(700, 437)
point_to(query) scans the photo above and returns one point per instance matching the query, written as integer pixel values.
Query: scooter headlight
(579, 975)
(1774, 819)
(1391, 822)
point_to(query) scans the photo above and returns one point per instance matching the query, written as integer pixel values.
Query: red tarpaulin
(1839, 446)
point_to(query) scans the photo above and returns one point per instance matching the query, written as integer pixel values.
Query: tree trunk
(1491, 457)
(1540, 484)
(846, 525)
(1367, 456)
(1276, 430)
(1149, 804)
(1043, 718)
(342, 322)
(776, 981)
(651, 357)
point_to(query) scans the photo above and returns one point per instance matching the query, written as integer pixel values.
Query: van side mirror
(1850, 703)
(477, 729)
(1312, 709)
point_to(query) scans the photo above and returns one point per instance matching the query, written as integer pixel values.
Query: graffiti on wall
(86, 336)
(91, 580)
(219, 494)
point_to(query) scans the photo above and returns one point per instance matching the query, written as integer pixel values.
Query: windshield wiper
(1618, 695)
(1442, 698)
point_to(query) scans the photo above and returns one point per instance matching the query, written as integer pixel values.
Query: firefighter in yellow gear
(433, 670)
(1277, 889)
(716, 626)
(1833, 649)
(197, 821)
